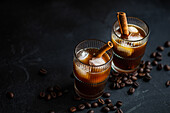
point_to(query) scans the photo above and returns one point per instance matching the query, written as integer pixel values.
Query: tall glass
(90, 80)
(127, 54)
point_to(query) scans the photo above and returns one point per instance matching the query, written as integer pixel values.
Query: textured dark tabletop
(44, 34)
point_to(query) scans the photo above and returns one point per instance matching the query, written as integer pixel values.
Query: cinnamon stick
(121, 16)
(103, 49)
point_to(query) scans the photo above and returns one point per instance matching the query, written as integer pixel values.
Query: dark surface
(44, 34)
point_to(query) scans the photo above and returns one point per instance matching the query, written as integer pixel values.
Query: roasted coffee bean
(134, 78)
(122, 85)
(119, 111)
(119, 81)
(50, 89)
(129, 82)
(113, 86)
(147, 77)
(125, 78)
(168, 83)
(153, 55)
(160, 48)
(57, 88)
(166, 67)
(135, 84)
(51, 111)
(87, 105)
(113, 108)
(90, 111)
(81, 106)
(141, 74)
(43, 71)
(106, 94)
(114, 73)
(10, 95)
(159, 67)
(109, 105)
(148, 63)
(48, 97)
(94, 105)
(42, 94)
(105, 109)
(149, 67)
(168, 53)
(154, 63)
(73, 109)
(158, 54)
(107, 101)
(131, 90)
(140, 70)
(117, 86)
(158, 58)
(167, 44)
(147, 70)
(119, 103)
(101, 101)
(135, 74)
(53, 95)
(76, 97)
(59, 94)
(142, 63)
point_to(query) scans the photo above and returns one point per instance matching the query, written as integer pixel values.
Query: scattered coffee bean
(142, 63)
(107, 101)
(53, 94)
(141, 74)
(109, 105)
(119, 111)
(159, 67)
(147, 77)
(101, 101)
(160, 48)
(147, 70)
(168, 83)
(153, 55)
(50, 89)
(42, 94)
(10, 95)
(129, 82)
(48, 97)
(87, 105)
(131, 90)
(57, 88)
(167, 44)
(94, 105)
(168, 53)
(51, 111)
(134, 78)
(43, 71)
(76, 97)
(105, 109)
(113, 86)
(90, 111)
(140, 70)
(117, 86)
(154, 63)
(166, 67)
(119, 103)
(158, 58)
(113, 108)
(135, 74)
(158, 54)
(73, 109)
(148, 63)
(81, 106)
(115, 73)
(59, 94)
(119, 81)
(135, 84)
(106, 94)
(149, 67)
(125, 78)
(122, 85)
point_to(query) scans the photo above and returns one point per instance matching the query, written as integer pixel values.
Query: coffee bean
(158, 58)
(106, 94)
(48, 97)
(168, 83)
(153, 55)
(119, 103)
(142, 63)
(105, 109)
(73, 109)
(167, 44)
(42, 94)
(154, 63)
(160, 48)
(10, 95)
(149, 67)
(159, 67)
(125, 78)
(134, 78)
(131, 90)
(81, 106)
(166, 67)
(122, 85)
(113, 108)
(114, 73)
(53, 94)
(168, 53)
(129, 82)
(117, 86)
(107, 101)
(90, 111)
(140, 70)
(147, 77)
(57, 88)
(76, 97)
(147, 70)
(148, 63)
(135, 84)
(87, 105)
(135, 74)
(141, 74)
(94, 105)
(59, 94)
(43, 71)
(113, 86)
(51, 111)
(109, 105)
(158, 54)
(50, 89)
(119, 111)
(119, 81)
(101, 101)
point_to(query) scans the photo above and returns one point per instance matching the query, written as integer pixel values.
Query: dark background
(44, 34)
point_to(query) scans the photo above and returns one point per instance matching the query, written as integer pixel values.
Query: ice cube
(126, 49)
(133, 30)
(83, 55)
(97, 61)
(82, 72)
(134, 38)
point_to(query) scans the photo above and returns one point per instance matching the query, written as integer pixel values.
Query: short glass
(90, 80)
(127, 54)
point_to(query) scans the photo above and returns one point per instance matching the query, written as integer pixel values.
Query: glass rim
(147, 35)
(93, 65)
